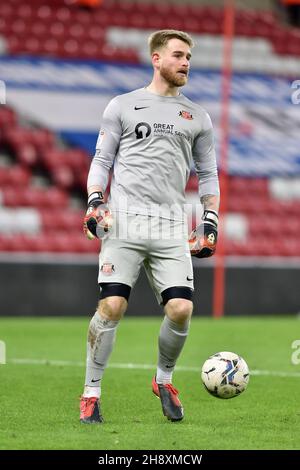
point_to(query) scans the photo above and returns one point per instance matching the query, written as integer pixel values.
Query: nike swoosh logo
(142, 107)
(93, 381)
(188, 279)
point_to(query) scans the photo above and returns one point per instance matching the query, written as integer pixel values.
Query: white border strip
(116, 365)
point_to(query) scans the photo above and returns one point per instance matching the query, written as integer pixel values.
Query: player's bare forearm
(210, 202)
(93, 189)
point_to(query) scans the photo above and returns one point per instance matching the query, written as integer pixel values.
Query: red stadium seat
(126, 7)
(51, 220)
(13, 243)
(56, 220)
(63, 177)
(7, 10)
(192, 184)
(87, 246)
(145, 9)
(162, 9)
(34, 197)
(44, 12)
(237, 185)
(55, 197)
(95, 33)
(17, 140)
(15, 175)
(81, 179)
(57, 29)
(70, 48)
(8, 117)
(42, 139)
(152, 21)
(77, 30)
(24, 11)
(28, 143)
(174, 22)
(18, 26)
(32, 44)
(192, 25)
(74, 158)
(102, 19)
(51, 46)
(63, 242)
(27, 154)
(89, 49)
(38, 243)
(63, 14)
(39, 28)
(119, 18)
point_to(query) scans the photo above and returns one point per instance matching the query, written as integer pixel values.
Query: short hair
(160, 39)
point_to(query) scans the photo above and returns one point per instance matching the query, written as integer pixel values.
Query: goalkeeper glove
(98, 219)
(203, 239)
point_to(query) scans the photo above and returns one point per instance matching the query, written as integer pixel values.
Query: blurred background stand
(288, 11)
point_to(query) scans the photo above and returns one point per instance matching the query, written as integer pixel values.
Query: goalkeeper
(150, 137)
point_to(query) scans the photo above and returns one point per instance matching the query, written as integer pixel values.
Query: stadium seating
(263, 214)
(39, 218)
(61, 30)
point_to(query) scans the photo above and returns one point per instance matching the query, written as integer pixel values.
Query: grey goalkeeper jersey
(151, 142)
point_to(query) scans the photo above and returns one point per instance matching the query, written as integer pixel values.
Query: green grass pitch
(40, 401)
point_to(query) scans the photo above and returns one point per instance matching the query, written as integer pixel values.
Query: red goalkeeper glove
(203, 239)
(98, 219)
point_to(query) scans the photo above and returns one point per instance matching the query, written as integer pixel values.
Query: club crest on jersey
(186, 115)
(107, 268)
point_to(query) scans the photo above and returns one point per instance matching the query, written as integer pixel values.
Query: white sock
(163, 377)
(171, 340)
(91, 392)
(101, 337)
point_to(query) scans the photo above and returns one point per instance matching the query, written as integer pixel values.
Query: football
(225, 375)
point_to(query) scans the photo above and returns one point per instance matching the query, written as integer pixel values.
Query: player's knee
(112, 308)
(179, 310)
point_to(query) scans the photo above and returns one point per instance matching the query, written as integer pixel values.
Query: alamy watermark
(153, 222)
(295, 358)
(2, 353)
(2, 92)
(295, 97)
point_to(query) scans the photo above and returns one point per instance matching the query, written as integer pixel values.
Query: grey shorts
(159, 245)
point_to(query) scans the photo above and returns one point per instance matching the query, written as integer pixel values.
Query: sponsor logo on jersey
(137, 108)
(163, 128)
(186, 115)
(160, 128)
(142, 130)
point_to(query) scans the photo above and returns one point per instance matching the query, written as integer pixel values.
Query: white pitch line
(50, 362)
